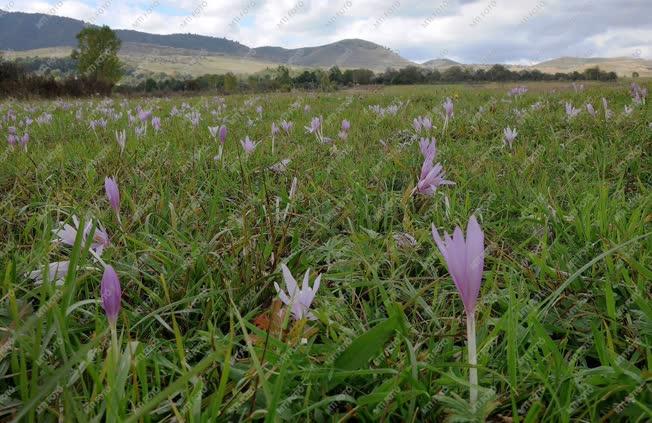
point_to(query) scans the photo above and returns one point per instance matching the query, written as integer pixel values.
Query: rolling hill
(41, 35)
(28, 32)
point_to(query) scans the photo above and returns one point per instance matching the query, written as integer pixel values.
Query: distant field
(168, 60)
(564, 316)
(195, 62)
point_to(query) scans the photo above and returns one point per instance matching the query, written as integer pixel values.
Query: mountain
(440, 63)
(623, 66)
(352, 53)
(34, 31)
(36, 34)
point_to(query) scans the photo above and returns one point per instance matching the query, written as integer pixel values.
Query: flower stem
(473, 358)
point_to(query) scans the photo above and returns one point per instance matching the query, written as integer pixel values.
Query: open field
(170, 60)
(563, 317)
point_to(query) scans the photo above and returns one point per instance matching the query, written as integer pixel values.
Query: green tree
(150, 85)
(335, 75)
(97, 54)
(283, 77)
(230, 82)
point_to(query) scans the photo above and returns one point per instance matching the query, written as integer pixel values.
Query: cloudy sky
(470, 31)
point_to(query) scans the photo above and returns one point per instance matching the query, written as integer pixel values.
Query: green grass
(564, 317)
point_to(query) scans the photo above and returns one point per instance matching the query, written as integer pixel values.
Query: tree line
(94, 68)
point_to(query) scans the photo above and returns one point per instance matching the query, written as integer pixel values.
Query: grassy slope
(563, 334)
(195, 62)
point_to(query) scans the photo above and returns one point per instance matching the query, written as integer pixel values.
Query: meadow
(206, 223)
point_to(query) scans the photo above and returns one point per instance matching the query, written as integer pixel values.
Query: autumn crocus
(344, 132)
(607, 113)
(571, 111)
(223, 133)
(591, 110)
(121, 139)
(508, 136)
(638, 93)
(465, 261)
(448, 111)
(428, 148)
(156, 123)
(111, 294)
(140, 131)
(275, 131)
(248, 145)
(448, 108)
(56, 273)
(298, 300)
(422, 123)
(432, 175)
(24, 140)
(113, 194)
(144, 115)
(287, 126)
(67, 234)
(315, 125)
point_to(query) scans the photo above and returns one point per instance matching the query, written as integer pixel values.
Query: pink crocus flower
(67, 234)
(428, 148)
(465, 262)
(275, 129)
(422, 122)
(448, 108)
(213, 131)
(591, 110)
(56, 273)
(121, 139)
(607, 113)
(638, 93)
(509, 136)
(156, 123)
(432, 175)
(344, 133)
(299, 300)
(113, 194)
(315, 125)
(24, 140)
(144, 115)
(248, 145)
(287, 126)
(111, 294)
(140, 131)
(223, 133)
(448, 112)
(571, 111)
